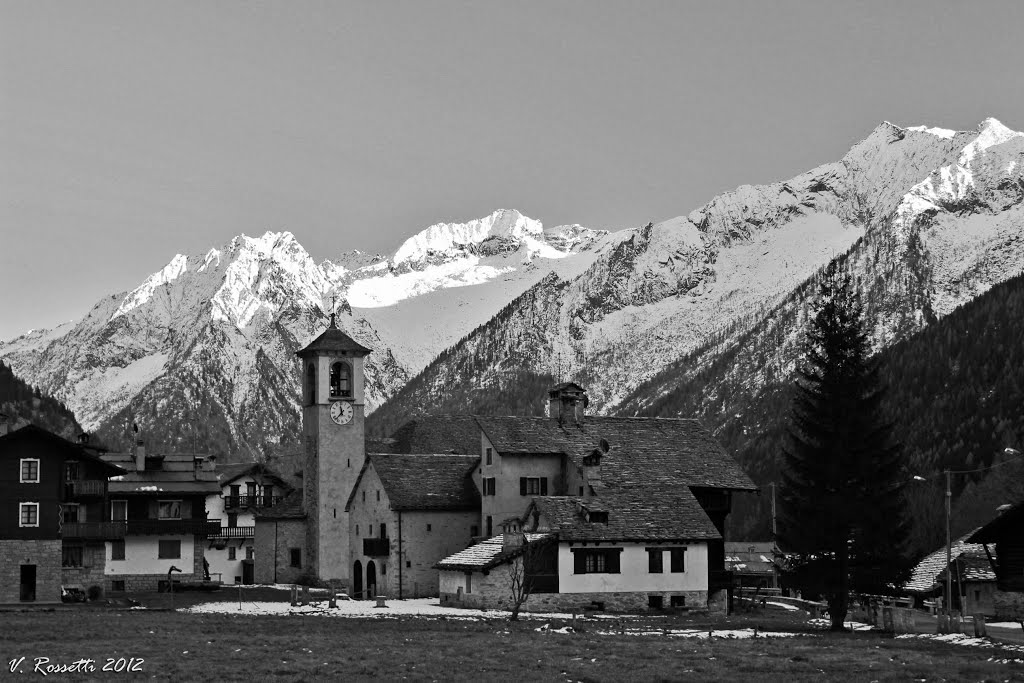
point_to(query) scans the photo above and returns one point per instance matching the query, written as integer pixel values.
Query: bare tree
(520, 582)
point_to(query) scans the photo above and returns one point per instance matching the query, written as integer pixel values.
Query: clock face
(341, 412)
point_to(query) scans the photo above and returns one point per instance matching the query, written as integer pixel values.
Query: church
(417, 517)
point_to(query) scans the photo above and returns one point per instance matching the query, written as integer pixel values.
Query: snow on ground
(970, 641)
(852, 625)
(783, 605)
(1005, 624)
(424, 607)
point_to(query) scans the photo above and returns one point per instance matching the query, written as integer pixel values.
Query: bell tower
(333, 409)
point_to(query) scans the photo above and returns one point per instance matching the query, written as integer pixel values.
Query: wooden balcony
(376, 547)
(94, 531)
(238, 502)
(234, 532)
(85, 488)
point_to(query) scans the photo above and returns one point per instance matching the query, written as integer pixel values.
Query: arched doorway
(371, 580)
(357, 580)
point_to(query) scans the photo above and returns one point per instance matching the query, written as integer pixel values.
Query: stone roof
(641, 451)
(971, 567)
(438, 434)
(176, 473)
(657, 514)
(424, 481)
(333, 339)
(234, 471)
(483, 555)
(923, 578)
(289, 508)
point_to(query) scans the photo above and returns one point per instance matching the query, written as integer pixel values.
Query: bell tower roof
(333, 340)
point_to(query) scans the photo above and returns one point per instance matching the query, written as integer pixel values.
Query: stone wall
(44, 554)
(1009, 606)
(273, 543)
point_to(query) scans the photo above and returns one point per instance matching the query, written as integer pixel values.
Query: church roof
(424, 481)
(658, 514)
(333, 339)
(438, 434)
(641, 451)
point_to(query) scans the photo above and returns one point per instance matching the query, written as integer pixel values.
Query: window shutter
(579, 560)
(154, 509)
(186, 509)
(522, 486)
(543, 486)
(612, 562)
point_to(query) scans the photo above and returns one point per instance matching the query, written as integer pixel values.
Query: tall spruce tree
(842, 508)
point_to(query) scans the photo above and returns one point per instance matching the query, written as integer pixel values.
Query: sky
(133, 131)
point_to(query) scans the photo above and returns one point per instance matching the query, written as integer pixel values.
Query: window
(249, 552)
(378, 495)
(408, 564)
(341, 380)
(232, 519)
(268, 494)
(118, 510)
(310, 384)
(490, 527)
(428, 527)
(69, 513)
(533, 486)
(677, 556)
(474, 530)
(296, 557)
(654, 601)
(655, 560)
(678, 601)
(250, 489)
(169, 550)
(489, 486)
(117, 586)
(596, 561)
(28, 514)
(169, 509)
(71, 471)
(364, 496)
(469, 582)
(231, 553)
(490, 452)
(598, 517)
(383, 530)
(116, 550)
(71, 556)
(235, 491)
(357, 529)
(30, 470)
(581, 492)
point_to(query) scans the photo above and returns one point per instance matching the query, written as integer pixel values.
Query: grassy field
(179, 646)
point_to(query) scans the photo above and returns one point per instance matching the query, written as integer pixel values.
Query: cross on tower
(334, 305)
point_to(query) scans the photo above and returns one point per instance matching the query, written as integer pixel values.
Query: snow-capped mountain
(202, 351)
(927, 218)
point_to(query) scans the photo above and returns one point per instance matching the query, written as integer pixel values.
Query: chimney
(512, 537)
(140, 455)
(5, 424)
(567, 402)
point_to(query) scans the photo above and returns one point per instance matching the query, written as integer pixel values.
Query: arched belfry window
(341, 380)
(310, 384)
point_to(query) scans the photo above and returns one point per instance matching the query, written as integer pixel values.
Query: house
(159, 507)
(54, 507)
(406, 513)
(244, 489)
(923, 582)
(973, 582)
(1006, 534)
(752, 563)
(635, 507)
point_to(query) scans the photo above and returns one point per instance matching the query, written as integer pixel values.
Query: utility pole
(775, 531)
(949, 550)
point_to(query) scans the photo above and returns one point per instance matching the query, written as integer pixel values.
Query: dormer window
(310, 384)
(598, 517)
(341, 380)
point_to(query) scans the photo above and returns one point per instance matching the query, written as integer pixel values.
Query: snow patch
(387, 290)
(447, 237)
(944, 133)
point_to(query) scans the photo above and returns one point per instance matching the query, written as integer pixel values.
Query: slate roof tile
(483, 555)
(426, 481)
(922, 579)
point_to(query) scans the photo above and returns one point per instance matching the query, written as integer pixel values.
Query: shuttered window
(596, 561)
(655, 560)
(678, 556)
(533, 486)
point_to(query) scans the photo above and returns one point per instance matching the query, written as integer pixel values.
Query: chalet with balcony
(406, 513)
(54, 503)
(245, 490)
(159, 508)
